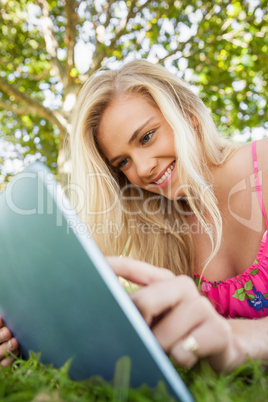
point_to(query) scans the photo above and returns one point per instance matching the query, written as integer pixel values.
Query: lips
(164, 174)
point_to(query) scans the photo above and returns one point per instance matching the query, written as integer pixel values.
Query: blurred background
(48, 48)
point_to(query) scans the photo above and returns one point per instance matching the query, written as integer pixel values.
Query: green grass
(32, 381)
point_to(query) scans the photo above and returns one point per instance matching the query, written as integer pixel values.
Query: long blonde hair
(159, 234)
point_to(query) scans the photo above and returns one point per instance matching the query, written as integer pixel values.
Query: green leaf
(248, 285)
(122, 379)
(240, 294)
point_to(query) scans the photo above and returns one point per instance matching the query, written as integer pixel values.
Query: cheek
(131, 176)
(167, 143)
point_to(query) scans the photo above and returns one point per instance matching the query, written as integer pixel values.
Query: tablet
(59, 296)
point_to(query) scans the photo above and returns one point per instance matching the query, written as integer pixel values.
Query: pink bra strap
(257, 181)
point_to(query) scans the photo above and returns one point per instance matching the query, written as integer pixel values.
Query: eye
(122, 163)
(146, 138)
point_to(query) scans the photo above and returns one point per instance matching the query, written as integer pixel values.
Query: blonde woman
(153, 180)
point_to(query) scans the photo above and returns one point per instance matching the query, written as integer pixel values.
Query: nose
(145, 167)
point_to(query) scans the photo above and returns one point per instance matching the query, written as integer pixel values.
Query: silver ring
(190, 344)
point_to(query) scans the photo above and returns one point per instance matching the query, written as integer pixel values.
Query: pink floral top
(244, 295)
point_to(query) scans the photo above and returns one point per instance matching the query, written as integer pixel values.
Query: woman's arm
(251, 338)
(174, 309)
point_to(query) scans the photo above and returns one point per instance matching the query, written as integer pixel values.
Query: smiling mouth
(166, 174)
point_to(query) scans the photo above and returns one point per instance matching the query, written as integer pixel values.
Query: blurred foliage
(219, 47)
(33, 381)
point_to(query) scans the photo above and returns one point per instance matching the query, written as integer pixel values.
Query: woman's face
(136, 139)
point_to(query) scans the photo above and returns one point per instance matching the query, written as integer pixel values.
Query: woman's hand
(7, 344)
(189, 327)
(185, 323)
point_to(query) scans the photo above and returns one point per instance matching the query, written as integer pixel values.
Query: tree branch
(51, 42)
(15, 109)
(33, 106)
(123, 24)
(182, 45)
(40, 76)
(107, 8)
(140, 8)
(179, 48)
(72, 17)
(99, 55)
(32, 77)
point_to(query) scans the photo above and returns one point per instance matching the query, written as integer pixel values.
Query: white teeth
(166, 174)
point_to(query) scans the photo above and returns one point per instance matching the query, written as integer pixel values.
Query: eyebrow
(132, 138)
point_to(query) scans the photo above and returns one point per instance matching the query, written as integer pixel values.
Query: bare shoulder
(237, 182)
(243, 169)
(262, 158)
(242, 160)
(238, 173)
(262, 154)
(240, 165)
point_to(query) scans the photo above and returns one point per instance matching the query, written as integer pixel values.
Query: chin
(174, 198)
(174, 195)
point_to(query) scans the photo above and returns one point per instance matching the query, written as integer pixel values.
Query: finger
(138, 271)
(5, 334)
(9, 359)
(182, 320)
(162, 296)
(212, 340)
(185, 358)
(10, 346)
